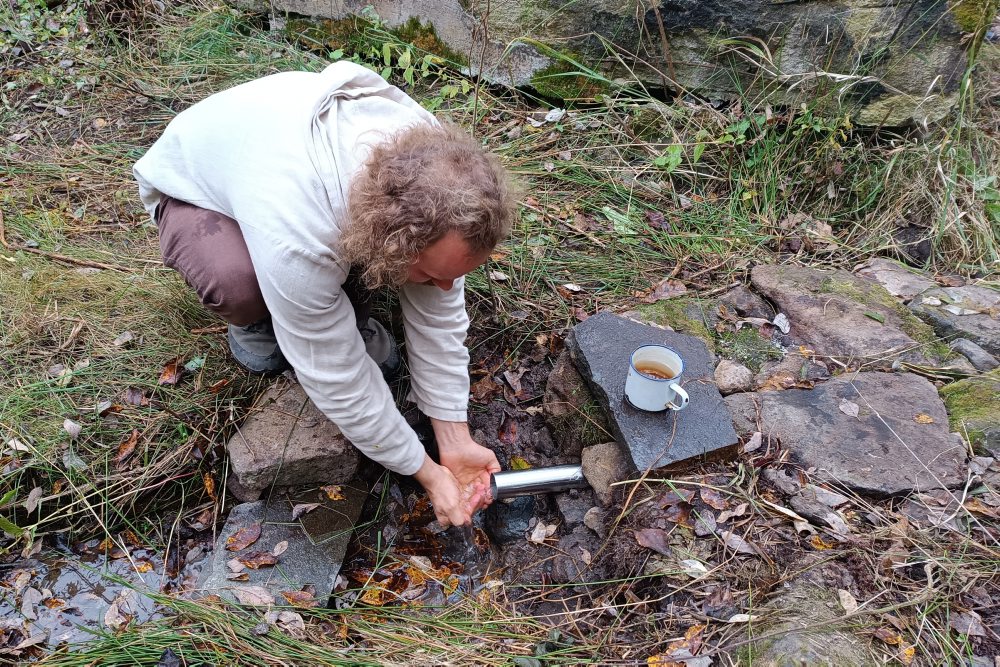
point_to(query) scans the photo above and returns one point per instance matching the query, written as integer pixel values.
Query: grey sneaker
(382, 348)
(256, 349)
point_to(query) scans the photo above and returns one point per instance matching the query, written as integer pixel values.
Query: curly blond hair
(414, 188)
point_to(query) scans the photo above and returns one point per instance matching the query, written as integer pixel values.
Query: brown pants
(208, 250)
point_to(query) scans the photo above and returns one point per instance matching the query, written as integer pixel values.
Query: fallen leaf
(216, 387)
(714, 499)
(114, 618)
(653, 538)
(979, 507)
(54, 603)
(753, 444)
(781, 321)
(127, 447)
(288, 621)
(519, 463)
(243, 537)
(585, 556)
(565, 156)
(580, 314)
(508, 431)
(737, 543)
(498, 276)
(704, 523)
(16, 445)
(253, 595)
(209, 481)
(235, 565)
(514, 380)
(889, 637)
(657, 220)
(742, 618)
(123, 338)
(878, 317)
(303, 508)
(258, 559)
(820, 544)
(665, 289)
(907, 654)
(333, 492)
(300, 599)
(923, 419)
(484, 389)
(204, 520)
(72, 428)
(171, 372)
(142, 565)
(693, 568)
(847, 601)
(29, 598)
(135, 396)
(968, 623)
(238, 576)
(31, 502)
(849, 408)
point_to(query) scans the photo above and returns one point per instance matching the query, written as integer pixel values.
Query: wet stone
(732, 377)
(603, 465)
(507, 520)
(980, 359)
(898, 439)
(304, 563)
(971, 312)
(287, 441)
(573, 506)
(601, 347)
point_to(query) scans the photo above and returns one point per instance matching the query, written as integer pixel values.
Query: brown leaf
(171, 372)
(737, 543)
(514, 380)
(679, 514)
(127, 447)
(209, 482)
(714, 499)
(31, 502)
(280, 548)
(968, 623)
(484, 389)
(673, 497)
(508, 431)
(580, 314)
(849, 408)
(253, 595)
(243, 537)
(704, 523)
(237, 576)
(923, 419)
(258, 559)
(204, 520)
(300, 599)
(333, 492)
(54, 603)
(653, 538)
(143, 565)
(657, 220)
(216, 387)
(303, 508)
(135, 396)
(665, 289)
(889, 637)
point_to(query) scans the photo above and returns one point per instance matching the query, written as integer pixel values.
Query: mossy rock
(572, 414)
(561, 80)
(749, 348)
(974, 410)
(693, 317)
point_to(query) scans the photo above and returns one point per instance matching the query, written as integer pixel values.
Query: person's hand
(469, 462)
(450, 508)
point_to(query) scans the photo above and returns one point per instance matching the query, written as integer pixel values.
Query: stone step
(317, 542)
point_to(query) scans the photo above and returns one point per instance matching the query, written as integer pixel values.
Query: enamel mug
(654, 376)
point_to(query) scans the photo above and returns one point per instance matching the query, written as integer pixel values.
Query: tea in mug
(655, 370)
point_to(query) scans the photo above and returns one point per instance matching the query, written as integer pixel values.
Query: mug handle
(679, 393)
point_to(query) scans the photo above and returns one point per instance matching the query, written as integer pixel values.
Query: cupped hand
(451, 508)
(469, 462)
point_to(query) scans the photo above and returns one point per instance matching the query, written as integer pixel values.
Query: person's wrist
(451, 435)
(428, 472)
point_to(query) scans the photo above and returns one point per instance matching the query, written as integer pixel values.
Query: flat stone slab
(287, 441)
(911, 449)
(837, 313)
(897, 279)
(971, 312)
(314, 554)
(601, 347)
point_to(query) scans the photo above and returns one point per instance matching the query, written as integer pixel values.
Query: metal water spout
(511, 483)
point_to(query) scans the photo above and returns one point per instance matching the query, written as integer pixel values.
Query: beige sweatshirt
(277, 154)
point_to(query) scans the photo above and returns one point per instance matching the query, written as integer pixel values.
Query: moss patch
(974, 405)
(350, 34)
(561, 80)
(682, 315)
(973, 15)
(747, 347)
(874, 296)
(425, 38)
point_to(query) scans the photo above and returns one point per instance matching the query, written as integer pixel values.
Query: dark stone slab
(304, 562)
(601, 347)
(969, 312)
(899, 440)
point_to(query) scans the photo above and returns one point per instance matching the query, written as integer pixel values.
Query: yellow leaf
(333, 492)
(923, 419)
(518, 463)
(143, 566)
(907, 654)
(819, 544)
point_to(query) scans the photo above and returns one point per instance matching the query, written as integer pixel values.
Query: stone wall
(884, 62)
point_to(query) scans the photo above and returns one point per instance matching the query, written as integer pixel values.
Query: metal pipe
(510, 483)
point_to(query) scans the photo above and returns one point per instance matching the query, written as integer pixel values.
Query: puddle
(65, 594)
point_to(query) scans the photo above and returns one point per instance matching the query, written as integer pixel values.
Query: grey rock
(836, 313)
(974, 409)
(596, 520)
(573, 506)
(803, 35)
(791, 370)
(731, 377)
(786, 483)
(898, 279)
(814, 510)
(507, 520)
(977, 356)
(570, 562)
(604, 465)
(574, 418)
(287, 441)
(601, 347)
(863, 453)
(302, 563)
(968, 312)
(807, 601)
(746, 303)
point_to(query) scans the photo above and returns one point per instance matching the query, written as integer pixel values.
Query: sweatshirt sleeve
(315, 326)
(436, 325)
